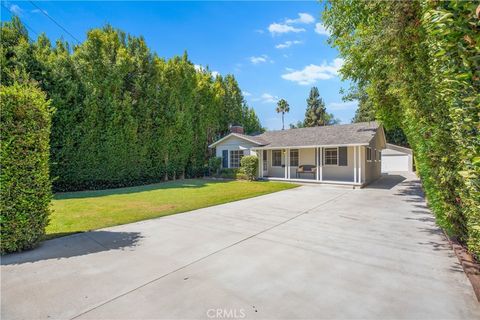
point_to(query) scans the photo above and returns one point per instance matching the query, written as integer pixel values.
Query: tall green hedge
(417, 67)
(124, 116)
(25, 188)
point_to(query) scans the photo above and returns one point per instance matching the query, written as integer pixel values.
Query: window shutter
(342, 156)
(225, 158)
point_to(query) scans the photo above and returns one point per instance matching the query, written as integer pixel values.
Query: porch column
(260, 157)
(360, 161)
(286, 164)
(317, 161)
(320, 156)
(355, 164)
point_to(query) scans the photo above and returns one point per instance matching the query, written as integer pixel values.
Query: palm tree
(283, 107)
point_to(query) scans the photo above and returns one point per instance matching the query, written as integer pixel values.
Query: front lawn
(88, 210)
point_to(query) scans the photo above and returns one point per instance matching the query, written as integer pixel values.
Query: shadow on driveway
(76, 245)
(386, 182)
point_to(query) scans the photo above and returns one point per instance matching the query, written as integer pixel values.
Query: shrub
(241, 175)
(25, 186)
(214, 164)
(249, 165)
(228, 173)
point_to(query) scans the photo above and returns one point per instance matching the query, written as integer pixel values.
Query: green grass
(88, 210)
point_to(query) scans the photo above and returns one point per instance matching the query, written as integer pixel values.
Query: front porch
(329, 165)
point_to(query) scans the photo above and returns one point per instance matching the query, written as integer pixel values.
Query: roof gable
(248, 138)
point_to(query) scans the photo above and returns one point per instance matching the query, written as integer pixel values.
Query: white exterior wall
(340, 173)
(234, 143)
(373, 168)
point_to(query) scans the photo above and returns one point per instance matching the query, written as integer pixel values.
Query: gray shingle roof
(345, 134)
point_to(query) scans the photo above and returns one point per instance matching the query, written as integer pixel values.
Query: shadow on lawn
(178, 184)
(75, 245)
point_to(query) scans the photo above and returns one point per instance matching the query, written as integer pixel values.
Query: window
(331, 156)
(369, 154)
(374, 152)
(294, 157)
(235, 156)
(379, 156)
(276, 158)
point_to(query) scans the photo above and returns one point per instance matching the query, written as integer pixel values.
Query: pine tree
(316, 114)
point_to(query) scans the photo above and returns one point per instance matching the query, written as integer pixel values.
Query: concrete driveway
(311, 252)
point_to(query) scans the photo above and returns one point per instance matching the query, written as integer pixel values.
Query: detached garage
(396, 158)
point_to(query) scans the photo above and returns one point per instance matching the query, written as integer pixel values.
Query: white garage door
(395, 163)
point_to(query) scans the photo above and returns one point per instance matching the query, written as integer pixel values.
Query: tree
(316, 114)
(283, 107)
(297, 125)
(124, 116)
(417, 62)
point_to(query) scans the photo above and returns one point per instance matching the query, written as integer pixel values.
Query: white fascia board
(311, 147)
(232, 135)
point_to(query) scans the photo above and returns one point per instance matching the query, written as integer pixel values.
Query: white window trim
(281, 152)
(324, 159)
(368, 151)
(230, 157)
(290, 158)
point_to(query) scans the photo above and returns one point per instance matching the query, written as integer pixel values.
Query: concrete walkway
(311, 252)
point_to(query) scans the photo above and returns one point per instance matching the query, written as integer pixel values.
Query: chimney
(236, 129)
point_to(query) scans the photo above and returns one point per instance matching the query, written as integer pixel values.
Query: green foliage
(297, 125)
(124, 116)
(316, 113)
(283, 107)
(249, 165)
(214, 164)
(25, 187)
(229, 173)
(417, 62)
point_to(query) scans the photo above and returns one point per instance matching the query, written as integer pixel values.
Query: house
(340, 154)
(396, 159)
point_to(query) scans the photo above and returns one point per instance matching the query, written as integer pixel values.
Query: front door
(265, 163)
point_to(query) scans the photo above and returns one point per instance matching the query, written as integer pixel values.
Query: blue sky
(274, 49)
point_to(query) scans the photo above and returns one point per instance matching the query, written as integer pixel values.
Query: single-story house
(397, 159)
(340, 154)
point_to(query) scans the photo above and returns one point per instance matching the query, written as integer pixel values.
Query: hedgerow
(25, 187)
(124, 116)
(416, 65)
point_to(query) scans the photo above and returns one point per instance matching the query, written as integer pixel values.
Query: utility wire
(54, 21)
(23, 22)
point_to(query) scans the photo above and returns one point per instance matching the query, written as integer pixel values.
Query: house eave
(310, 146)
(233, 135)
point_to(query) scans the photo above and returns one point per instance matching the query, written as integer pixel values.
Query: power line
(54, 21)
(23, 22)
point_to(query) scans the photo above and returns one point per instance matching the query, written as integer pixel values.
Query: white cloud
(15, 9)
(266, 98)
(347, 105)
(311, 73)
(287, 44)
(278, 28)
(260, 59)
(200, 68)
(246, 93)
(320, 29)
(302, 18)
